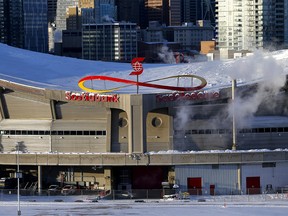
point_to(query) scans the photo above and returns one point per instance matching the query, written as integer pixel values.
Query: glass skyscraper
(11, 23)
(35, 25)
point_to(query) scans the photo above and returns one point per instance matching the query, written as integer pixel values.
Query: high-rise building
(52, 8)
(286, 24)
(11, 23)
(250, 24)
(175, 13)
(109, 41)
(157, 10)
(105, 10)
(72, 37)
(86, 3)
(166, 12)
(51, 16)
(193, 10)
(131, 11)
(62, 7)
(35, 25)
(4, 21)
(73, 18)
(87, 15)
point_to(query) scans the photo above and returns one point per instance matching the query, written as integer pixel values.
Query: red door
(212, 190)
(253, 185)
(194, 186)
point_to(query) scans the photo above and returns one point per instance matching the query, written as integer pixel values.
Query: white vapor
(270, 78)
(166, 55)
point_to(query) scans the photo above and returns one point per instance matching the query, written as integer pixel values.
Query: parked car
(54, 190)
(68, 190)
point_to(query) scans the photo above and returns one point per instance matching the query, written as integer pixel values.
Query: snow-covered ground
(253, 205)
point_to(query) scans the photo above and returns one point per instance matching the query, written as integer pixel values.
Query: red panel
(212, 189)
(253, 185)
(194, 185)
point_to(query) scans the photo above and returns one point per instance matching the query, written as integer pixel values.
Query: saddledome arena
(136, 142)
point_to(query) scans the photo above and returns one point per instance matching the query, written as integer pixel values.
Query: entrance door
(253, 185)
(212, 190)
(194, 186)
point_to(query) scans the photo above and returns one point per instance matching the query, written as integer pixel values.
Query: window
(272, 164)
(42, 132)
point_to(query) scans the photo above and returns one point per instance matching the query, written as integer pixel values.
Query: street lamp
(234, 130)
(18, 176)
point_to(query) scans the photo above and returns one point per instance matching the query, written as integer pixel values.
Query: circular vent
(123, 122)
(156, 122)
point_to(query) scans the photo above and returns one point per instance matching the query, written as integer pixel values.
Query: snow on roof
(62, 73)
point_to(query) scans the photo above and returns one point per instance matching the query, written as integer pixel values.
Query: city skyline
(238, 25)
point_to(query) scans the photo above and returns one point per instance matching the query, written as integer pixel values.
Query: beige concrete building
(139, 141)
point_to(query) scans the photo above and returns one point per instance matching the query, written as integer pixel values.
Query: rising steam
(260, 68)
(267, 72)
(166, 55)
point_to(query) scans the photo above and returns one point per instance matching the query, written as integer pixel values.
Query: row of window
(45, 132)
(229, 131)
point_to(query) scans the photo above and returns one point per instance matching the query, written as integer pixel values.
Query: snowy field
(253, 205)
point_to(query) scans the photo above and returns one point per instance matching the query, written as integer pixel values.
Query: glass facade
(11, 23)
(35, 25)
(105, 10)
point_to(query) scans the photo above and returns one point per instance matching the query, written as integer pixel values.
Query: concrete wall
(123, 159)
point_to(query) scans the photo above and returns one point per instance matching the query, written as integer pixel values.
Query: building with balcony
(250, 24)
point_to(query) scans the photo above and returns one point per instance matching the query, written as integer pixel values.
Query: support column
(39, 179)
(137, 126)
(239, 176)
(108, 130)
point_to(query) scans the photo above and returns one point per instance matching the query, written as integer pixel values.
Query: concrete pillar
(108, 178)
(239, 176)
(137, 126)
(108, 130)
(39, 179)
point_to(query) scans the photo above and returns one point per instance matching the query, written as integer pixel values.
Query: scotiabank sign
(91, 97)
(201, 95)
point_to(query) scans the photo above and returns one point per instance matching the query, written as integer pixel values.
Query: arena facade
(143, 141)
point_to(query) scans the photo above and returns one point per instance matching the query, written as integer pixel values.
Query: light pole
(234, 130)
(18, 176)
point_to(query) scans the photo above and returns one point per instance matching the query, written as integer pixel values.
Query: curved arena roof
(63, 73)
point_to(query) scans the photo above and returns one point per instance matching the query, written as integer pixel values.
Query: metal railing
(224, 195)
